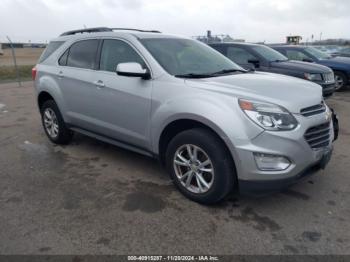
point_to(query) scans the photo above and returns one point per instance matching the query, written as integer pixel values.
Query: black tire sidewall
(64, 134)
(225, 175)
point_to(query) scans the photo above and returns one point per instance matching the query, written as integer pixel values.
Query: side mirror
(132, 70)
(254, 62)
(309, 60)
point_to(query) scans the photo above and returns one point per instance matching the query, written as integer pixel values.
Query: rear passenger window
(83, 54)
(115, 52)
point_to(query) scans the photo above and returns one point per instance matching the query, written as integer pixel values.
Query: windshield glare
(269, 54)
(185, 56)
(316, 53)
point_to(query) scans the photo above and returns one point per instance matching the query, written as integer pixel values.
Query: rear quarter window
(52, 47)
(63, 59)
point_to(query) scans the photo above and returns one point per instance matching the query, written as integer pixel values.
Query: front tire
(54, 125)
(200, 166)
(340, 81)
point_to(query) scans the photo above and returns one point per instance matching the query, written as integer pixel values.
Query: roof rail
(133, 29)
(87, 30)
(104, 29)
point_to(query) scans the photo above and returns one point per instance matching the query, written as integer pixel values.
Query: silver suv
(215, 126)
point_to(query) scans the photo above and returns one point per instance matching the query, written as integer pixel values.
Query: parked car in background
(321, 48)
(215, 126)
(345, 52)
(340, 65)
(328, 49)
(264, 58)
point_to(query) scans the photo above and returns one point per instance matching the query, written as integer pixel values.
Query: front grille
(328, 78)
(318, 136)
(313, 110)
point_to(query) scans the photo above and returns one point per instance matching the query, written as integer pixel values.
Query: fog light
(266, 162)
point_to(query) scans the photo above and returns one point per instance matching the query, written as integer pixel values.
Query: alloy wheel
(194, 169)
(339, 82)
(51, 123)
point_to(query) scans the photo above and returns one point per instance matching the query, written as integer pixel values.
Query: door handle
(99, 84)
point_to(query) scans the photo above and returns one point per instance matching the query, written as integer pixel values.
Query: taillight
(33, 73)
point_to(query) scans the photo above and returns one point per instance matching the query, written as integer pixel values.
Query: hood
(336, 61)
(302, 67)
(290, 92)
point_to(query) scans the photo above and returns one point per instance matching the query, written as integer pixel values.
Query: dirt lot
(93, 198)
(24, 56)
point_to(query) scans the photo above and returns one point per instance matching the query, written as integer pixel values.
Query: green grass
(8, 73)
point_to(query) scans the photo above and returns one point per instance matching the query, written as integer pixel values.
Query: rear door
(75, 74)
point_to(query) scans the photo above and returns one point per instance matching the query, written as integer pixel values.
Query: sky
(253, 20)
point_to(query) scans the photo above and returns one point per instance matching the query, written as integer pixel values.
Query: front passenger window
(115, 52)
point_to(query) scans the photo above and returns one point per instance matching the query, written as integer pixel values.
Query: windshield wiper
(280, 60)
(226, 71)
(194, 75)
(221, 72)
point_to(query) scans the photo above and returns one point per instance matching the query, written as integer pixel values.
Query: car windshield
(269, 54)
(317, 53)
(188, 58)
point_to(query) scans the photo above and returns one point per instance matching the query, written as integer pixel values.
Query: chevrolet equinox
(216, 127)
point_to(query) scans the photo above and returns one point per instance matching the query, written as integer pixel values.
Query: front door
(123, 104)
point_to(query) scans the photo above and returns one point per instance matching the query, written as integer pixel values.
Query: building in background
(294, 40)
(340, 42)
(23, 45)
(210, 39)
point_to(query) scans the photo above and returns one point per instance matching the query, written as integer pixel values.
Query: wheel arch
(43, 97)
(176, 126)
(48, 88)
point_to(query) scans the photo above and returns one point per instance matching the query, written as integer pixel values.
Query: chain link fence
(17, 60)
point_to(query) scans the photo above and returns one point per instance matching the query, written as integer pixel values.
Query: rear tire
(341, 81)
(200, 166)
(54, 125)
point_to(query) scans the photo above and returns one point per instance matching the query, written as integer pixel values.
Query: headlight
(313, 77)
(268, 116)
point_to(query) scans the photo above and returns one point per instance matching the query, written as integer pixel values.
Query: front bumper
(261, 188)
(305, 161)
